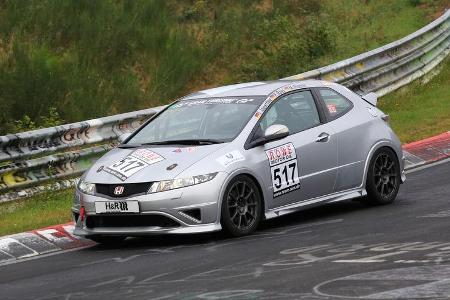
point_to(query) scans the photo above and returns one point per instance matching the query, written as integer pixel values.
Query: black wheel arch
(371, 155)
(258, 185)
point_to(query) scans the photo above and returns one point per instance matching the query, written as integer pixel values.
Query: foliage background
(71, 60)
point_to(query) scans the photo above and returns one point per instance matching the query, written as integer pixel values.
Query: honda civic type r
(229, 157)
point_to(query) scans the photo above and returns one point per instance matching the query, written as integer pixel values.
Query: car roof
(258, 88)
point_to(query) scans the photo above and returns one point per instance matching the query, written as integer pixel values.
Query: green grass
(36, 212)
(89, 58)
(420, 110)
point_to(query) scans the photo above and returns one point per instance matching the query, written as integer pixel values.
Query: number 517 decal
(133, 163)
(283, 169)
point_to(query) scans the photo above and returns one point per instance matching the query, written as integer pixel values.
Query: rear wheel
(241, 206)
(383, 177)
(106, 240)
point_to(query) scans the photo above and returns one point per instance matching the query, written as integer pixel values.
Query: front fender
(242, 171)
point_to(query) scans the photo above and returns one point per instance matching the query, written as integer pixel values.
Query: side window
(336, 104)
(297, 111)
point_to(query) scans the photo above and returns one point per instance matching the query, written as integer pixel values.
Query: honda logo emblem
(118, 190)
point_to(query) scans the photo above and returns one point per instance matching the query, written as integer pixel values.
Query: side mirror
(273, 132)
(123, 137)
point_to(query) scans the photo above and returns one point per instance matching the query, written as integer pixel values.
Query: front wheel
(383, 177)
(241, 206)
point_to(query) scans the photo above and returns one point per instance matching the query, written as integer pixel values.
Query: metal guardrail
(389, 67)
(31, 162)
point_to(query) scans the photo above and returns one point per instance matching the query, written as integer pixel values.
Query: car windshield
(199, 121)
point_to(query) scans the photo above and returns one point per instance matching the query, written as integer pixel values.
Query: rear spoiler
(371, 98)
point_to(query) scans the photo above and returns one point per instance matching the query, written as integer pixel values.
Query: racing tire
(241, 207)
(383, 177)
(106, 240)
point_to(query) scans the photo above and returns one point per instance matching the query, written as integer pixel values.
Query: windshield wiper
(187, 142)
(127, 146)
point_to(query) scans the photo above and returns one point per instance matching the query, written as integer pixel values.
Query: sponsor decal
(332, 108)
(187, 103)
(275, 94)
(283, 169)
(146, 155)
(133, 163)
(185, 149)
(230, 158)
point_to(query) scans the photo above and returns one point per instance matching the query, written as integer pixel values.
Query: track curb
(42, 241)
(427, 151)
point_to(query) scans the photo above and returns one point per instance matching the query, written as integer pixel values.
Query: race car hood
(154, 163)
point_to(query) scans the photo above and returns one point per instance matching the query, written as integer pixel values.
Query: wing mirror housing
(273, 133)
(123, 137)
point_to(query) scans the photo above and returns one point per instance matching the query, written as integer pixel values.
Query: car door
(302, 165)
(351, 130)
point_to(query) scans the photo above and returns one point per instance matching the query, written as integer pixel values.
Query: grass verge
(36, 212)
(420, 110)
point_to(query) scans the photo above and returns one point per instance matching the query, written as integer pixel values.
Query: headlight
(165, 185)
(86, 187)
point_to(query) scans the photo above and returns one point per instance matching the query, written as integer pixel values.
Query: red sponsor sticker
(332, 108)
(281, 154)
(186, 149)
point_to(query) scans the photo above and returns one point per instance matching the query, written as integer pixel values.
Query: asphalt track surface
(345, 250)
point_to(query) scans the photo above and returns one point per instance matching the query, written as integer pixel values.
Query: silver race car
(229, 157)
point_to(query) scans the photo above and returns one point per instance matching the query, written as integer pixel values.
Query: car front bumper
(172, 206)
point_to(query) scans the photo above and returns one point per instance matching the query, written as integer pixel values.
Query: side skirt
(305, 204)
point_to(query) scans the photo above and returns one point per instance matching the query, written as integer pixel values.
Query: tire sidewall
(225, 219)
(372, 193)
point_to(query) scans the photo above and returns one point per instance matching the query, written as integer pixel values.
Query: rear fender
(378, 145)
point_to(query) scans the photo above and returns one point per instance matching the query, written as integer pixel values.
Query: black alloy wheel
(383, 178)
(241, 206)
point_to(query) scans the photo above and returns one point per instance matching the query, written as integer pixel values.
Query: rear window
(336, 104)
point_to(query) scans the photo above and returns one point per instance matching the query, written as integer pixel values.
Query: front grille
(131, 221)
(129, 189)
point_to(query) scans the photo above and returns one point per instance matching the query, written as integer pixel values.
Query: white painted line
(428, 166)
(371, 259)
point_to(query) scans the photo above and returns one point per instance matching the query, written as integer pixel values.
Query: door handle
(323, 137)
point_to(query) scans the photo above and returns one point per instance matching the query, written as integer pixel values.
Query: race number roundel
(284, 169)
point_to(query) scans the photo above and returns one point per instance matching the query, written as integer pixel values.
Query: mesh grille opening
(194, 213)
(129, 189)
(131, 221)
